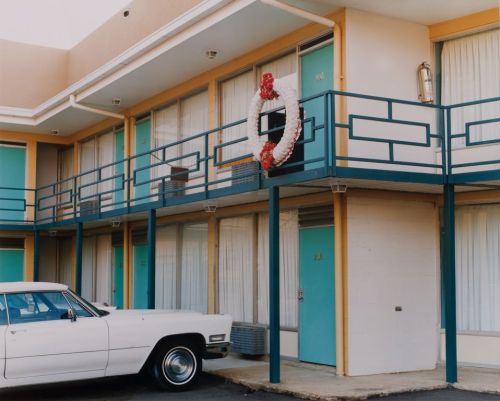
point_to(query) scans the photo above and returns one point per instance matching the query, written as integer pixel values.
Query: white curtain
(236, 95)
(104, 270)
(470, 71)
(194, 280)
(65, 271)
(88, 263)
(478, 268)
(165, 131)
(289, 256)
(65, 171)
(284, 68)
(193, 121)
(236, 261)
(88, 162)
(166, 265)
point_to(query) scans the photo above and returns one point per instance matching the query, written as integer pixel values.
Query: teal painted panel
(118, 277)
(317, 339)
(316, 77)
(142, 144)
(120, 168)
(12, 175)
(140, 277)
(11, 265)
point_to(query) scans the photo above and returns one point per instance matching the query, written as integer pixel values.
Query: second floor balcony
(347, 139)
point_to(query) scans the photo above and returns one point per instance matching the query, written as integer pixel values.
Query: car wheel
(176, 366)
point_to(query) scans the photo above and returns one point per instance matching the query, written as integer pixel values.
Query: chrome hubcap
(179, 365)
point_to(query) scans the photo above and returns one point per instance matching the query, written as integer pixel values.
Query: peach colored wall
(29, 75)
(120, 33)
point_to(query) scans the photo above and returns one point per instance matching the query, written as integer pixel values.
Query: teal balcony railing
(378, 139)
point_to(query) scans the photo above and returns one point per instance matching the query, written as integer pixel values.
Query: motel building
(127, 172)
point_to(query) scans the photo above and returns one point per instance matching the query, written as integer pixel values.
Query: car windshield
(88, 305)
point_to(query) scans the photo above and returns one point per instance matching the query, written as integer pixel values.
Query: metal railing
(379, 138)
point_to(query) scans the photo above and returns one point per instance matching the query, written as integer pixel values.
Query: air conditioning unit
(246, 172)
(176, 185)
(89, 207)
(248, 339)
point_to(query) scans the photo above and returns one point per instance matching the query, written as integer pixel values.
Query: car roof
(22, 286)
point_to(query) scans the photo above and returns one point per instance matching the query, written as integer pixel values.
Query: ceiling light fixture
(116, 101)
(211, 53)
(54, 131)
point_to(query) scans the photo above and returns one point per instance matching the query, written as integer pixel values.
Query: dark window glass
(3, 311)
(80, 311)
(37, 307)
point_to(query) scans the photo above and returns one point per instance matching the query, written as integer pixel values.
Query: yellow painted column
(31, 147)
(126, 267)
(212, 264)
(29, 252)
(339, 210)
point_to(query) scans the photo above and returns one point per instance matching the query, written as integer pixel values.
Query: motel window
(181, 267)
(244, 268)
(236, 94)
(478, 268)
(97, 269)
(236, 267)
(95, 152)
(180, 120)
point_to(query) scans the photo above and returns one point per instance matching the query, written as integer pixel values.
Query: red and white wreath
(271, 154)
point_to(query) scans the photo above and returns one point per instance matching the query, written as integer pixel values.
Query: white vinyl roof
(24, 286)
(54, 23)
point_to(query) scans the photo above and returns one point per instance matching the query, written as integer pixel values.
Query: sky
(54, 23)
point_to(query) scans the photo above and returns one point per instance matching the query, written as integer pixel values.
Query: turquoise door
(316, 73)
(140, 277)
(11, 265)
(12, 175)
(317, 298)
(142, 144)
(118, 277)
(120, 168)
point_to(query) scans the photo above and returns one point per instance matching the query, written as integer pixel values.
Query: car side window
(80, 311)
(31, 307)
(3, 311)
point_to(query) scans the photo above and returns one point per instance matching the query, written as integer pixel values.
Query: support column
(449, 284)
(274, 284)
(36, 257)
(151, 257)
(78, 258)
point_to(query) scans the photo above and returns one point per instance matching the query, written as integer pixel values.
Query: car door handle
(17, 331)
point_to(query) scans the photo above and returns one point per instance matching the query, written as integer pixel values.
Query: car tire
(176, 366)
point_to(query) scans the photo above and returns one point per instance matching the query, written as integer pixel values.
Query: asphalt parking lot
(209, 388)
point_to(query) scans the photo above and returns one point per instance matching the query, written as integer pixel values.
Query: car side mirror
(71, 315)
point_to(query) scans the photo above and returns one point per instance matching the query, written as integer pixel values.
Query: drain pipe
(74, 104)
(300, 12)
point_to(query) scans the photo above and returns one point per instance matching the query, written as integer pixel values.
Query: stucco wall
(392, 262)
(29, 75)
(120, 33)
(382, 56)
(475, 349)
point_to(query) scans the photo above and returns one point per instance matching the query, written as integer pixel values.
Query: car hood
(140, 313)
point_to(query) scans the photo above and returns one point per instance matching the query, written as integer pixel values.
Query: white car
(50, 334)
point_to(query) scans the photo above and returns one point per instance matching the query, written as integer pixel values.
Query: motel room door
(316, 76)
(118, 276)
(317, 338)
(140, 277)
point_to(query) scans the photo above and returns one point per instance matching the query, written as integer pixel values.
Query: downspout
(75, 105)
(300, 12)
